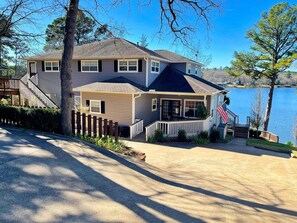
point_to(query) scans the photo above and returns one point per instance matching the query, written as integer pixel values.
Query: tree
(273, 51)
(86, 30)
(143, 40)
(257, 111)
(170, 14)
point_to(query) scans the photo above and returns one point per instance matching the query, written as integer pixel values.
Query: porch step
(241, 131)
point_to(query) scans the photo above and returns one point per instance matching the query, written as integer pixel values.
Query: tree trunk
(66, 80)
(269, 103)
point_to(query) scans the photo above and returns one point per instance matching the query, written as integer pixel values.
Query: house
(137, 87)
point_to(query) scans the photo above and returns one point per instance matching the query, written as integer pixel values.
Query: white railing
(136, 128)
(171, 128)
(41, 95)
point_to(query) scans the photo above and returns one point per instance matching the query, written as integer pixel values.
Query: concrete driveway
(45, 178)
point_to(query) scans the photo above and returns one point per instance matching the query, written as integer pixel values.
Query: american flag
(222, 110)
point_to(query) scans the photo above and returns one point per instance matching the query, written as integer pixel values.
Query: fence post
(83, 124)
(110, 128)
(89, 125)
(94, 126)
(100, 127)
(73, 121)
(78, 125)
(116, 132)
(105, 127)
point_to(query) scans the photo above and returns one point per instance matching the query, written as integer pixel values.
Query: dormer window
(188, 68)
(155, 66)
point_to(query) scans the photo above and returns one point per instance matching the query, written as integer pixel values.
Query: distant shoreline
(263, 86)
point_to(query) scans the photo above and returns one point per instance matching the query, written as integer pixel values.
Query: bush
(289, 143)
(214, 135)
(42, 119)
(201, 112)
(182, 136)
(159, 136)
(198, 140)
(203, 135)
(253, 133)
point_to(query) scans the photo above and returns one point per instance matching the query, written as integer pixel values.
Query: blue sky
(226, 34)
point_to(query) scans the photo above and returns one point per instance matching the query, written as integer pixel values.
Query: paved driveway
(46, 178)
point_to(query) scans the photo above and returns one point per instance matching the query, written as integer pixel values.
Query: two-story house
(130, 84)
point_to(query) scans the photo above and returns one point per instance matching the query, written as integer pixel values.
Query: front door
(170, 109)
(32, 68)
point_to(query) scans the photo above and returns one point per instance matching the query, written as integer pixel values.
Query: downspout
(146, 71)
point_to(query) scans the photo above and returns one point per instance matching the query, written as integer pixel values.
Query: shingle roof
(105, 49)
(173, 80)
(116, 85)
(174, 57)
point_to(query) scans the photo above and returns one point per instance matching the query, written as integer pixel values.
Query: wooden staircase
(241, 131)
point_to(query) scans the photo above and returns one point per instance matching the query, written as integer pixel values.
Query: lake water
(283, 114)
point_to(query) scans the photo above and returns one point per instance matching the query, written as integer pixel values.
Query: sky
(218, 42)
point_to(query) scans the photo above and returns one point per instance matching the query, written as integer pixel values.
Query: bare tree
(143, 40)
(257, 111)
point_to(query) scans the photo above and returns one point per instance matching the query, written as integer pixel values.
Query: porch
(171, 128)
(9, 87)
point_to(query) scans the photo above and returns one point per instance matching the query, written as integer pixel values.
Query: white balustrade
(136, 128)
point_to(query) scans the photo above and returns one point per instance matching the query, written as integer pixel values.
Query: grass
(278, 147)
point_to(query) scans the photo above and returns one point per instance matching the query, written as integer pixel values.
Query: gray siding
(179, 66)
(118, 107)
(50, 83)
(153, 76)
(143, 109)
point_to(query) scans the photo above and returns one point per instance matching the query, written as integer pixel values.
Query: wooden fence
(269, 136)
(88, 125)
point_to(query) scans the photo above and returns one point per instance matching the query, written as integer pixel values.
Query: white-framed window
(51, 66)
(154, 104)
(196, 69)
(191, 107)
(89, 66)
(155, 66)
(95, 106)
(128, 65)
(188, 68)
(77, 101)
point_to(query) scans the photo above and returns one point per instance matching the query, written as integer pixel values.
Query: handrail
(41, 94)
(136, 128)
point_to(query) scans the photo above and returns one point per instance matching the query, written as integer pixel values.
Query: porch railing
(233, 118)
(136, 128)
(9, 83)
(171, 128)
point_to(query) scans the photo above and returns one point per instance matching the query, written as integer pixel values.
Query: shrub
(198, 140)
(42, 119)
(182, 136)
(254, 133)
(159, 136)
(214, 135)
(203, 135)
(289, 143)
(201, 111)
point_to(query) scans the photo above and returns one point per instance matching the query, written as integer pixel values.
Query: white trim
(184, 107)
(155, 61)
(91, 106)
(51, 61)
(156, 103)
(172, 99)
(89, 71)
(35, 66)
(128, 71)
(133, 110)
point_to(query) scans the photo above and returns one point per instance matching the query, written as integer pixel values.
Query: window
(189, 68)
(89, 66)
(155, 66)
(77, 101)
(196, 69)
(191, 108)
(154, 104)
(128, 65)
(51, 66)
(95, 106)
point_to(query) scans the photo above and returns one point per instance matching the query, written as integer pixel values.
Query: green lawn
(278, 147)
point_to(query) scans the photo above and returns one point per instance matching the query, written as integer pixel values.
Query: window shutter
(59, 64)
(79, 66)
(116, 66)
(100, 65)
(87, 103)
(42, 65)
(102, 107)
(140, 65)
